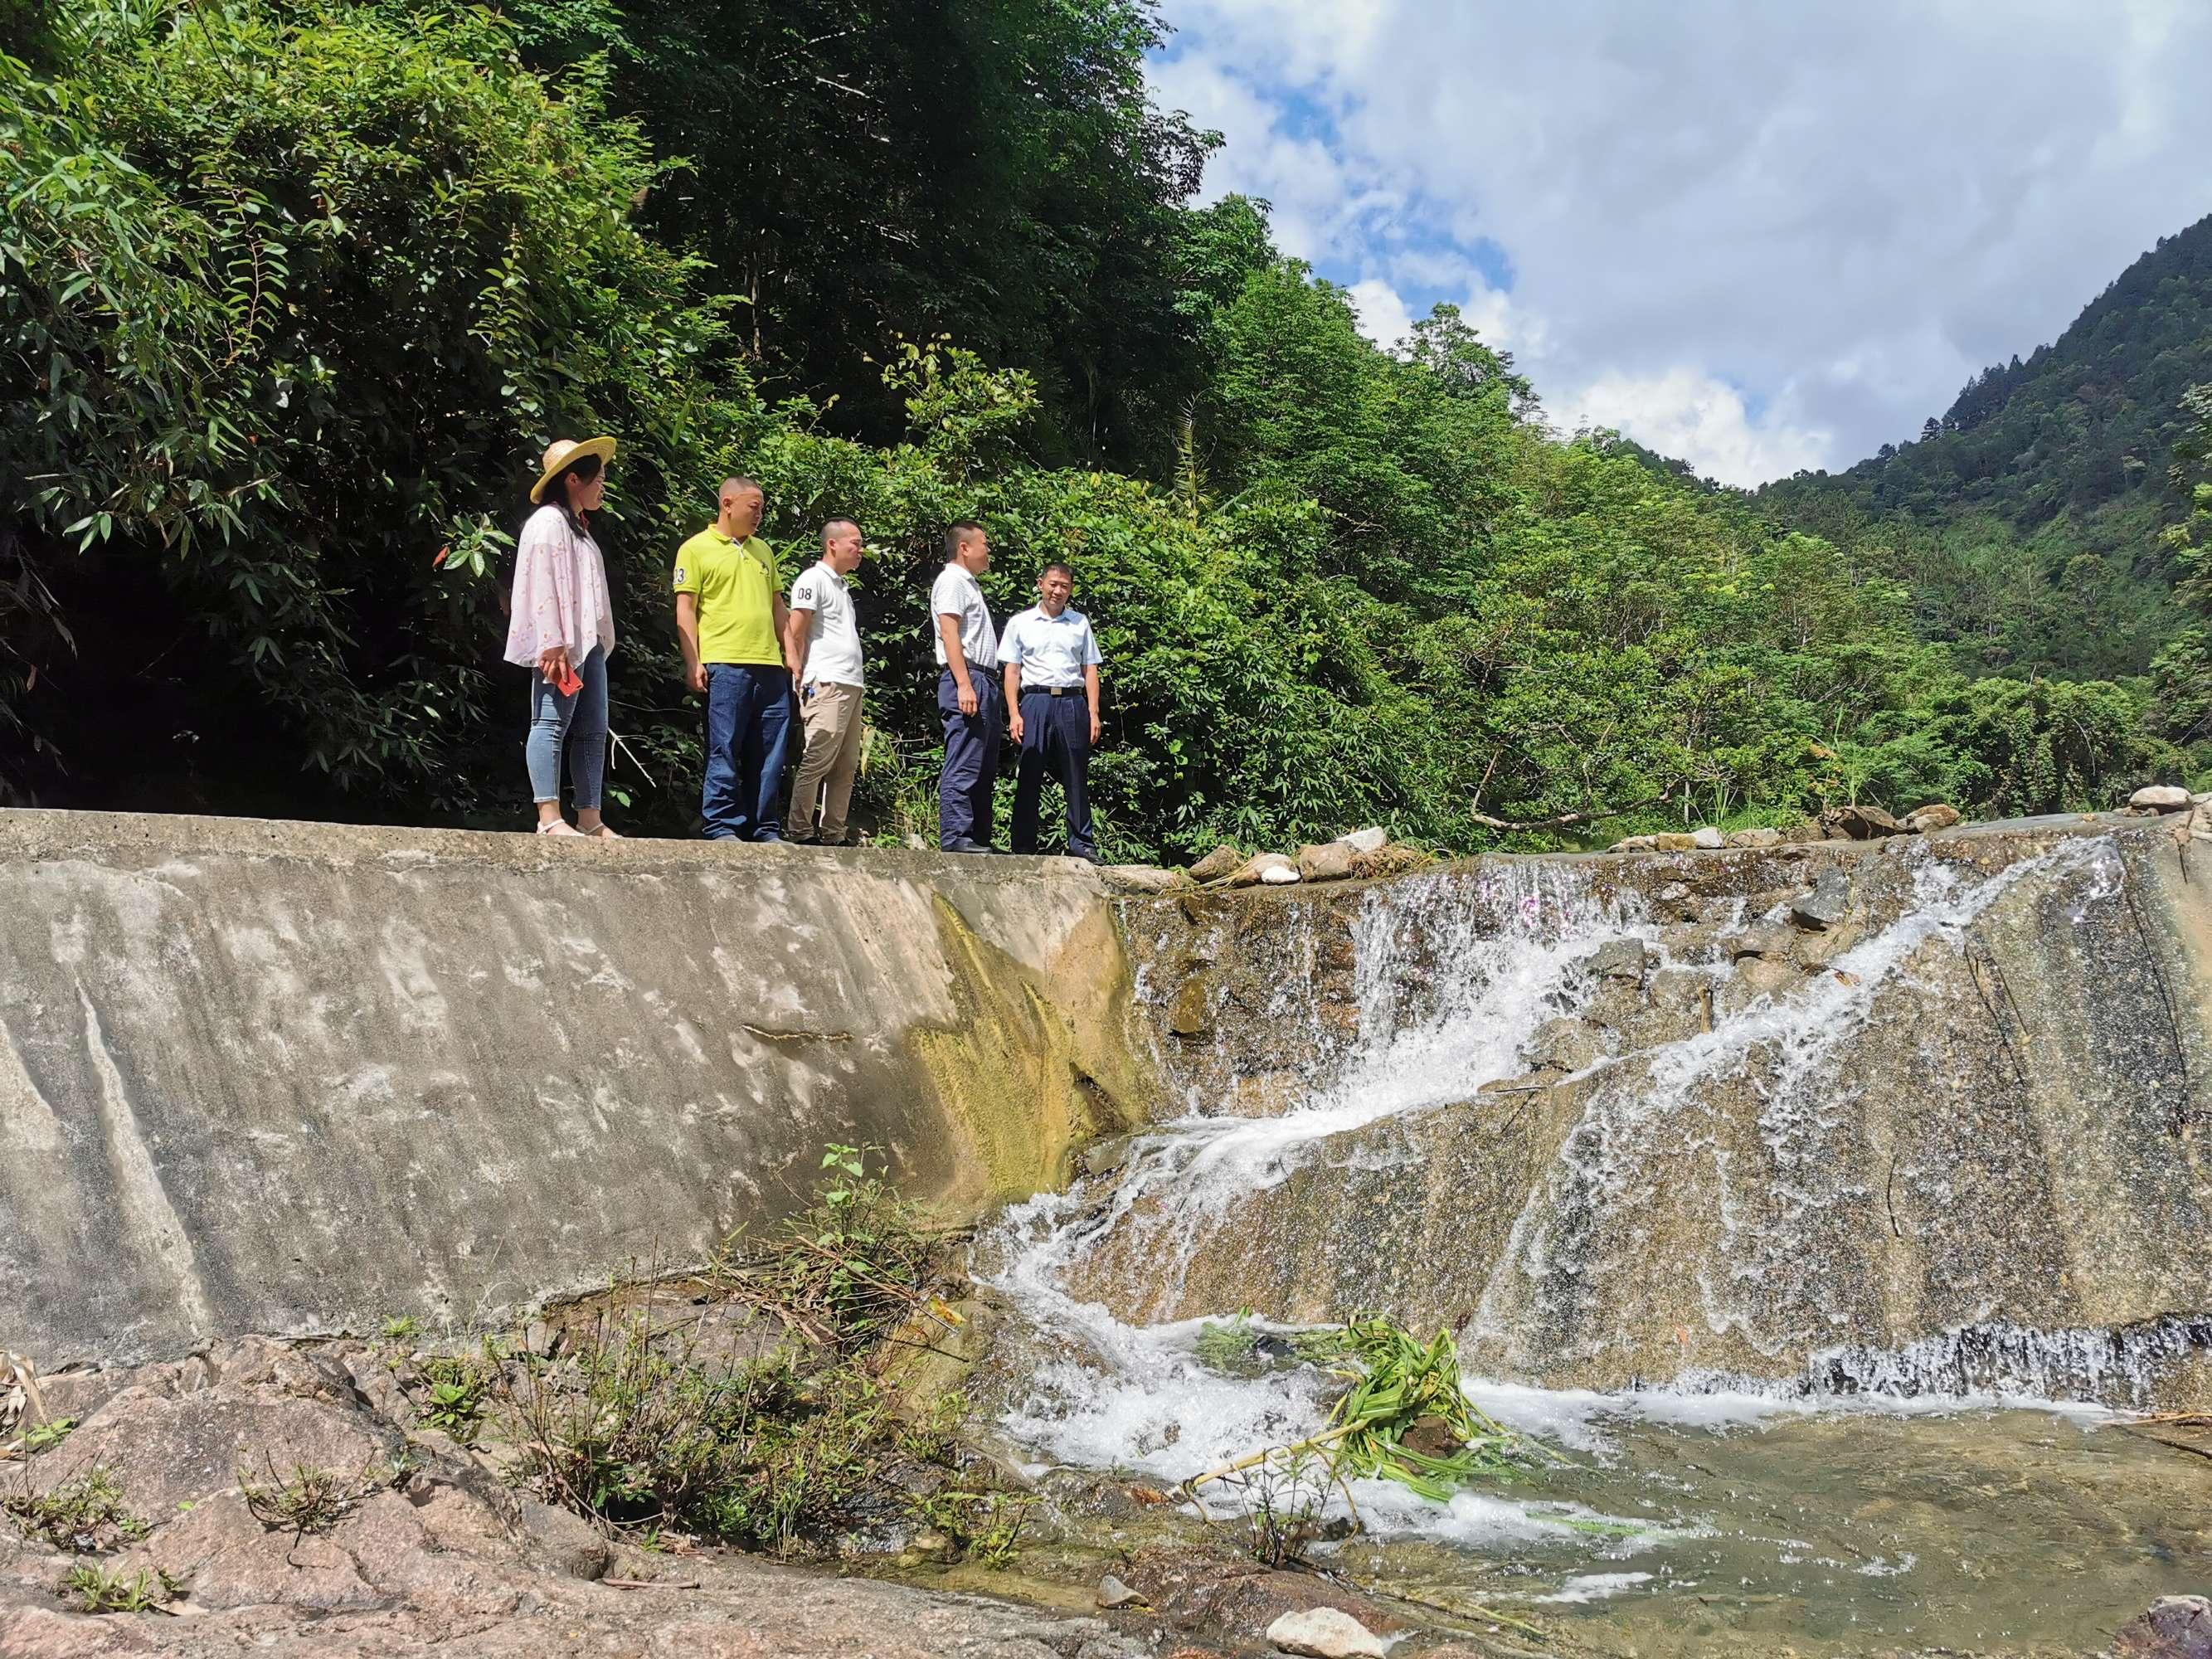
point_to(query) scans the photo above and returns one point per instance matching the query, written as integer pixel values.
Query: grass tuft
(95, 1590)
(85, 1514)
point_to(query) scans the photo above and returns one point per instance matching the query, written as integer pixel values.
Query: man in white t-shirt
(821, 642)
(967, 692)
(1051, 661)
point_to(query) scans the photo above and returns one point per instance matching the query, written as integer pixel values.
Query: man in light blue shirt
(1051, 663)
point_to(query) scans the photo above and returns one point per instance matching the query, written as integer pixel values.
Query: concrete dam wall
(295, 1077)
(1925, 1115)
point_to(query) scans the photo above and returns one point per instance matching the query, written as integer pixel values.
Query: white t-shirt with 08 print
(833, 648)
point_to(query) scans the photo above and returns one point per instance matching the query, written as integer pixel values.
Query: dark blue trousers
(971, 756)
(1055, 742)
(748, 740)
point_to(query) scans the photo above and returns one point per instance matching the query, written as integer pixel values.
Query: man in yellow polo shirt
(730, 616)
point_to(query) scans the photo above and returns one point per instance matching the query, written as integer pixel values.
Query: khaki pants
(832, 713)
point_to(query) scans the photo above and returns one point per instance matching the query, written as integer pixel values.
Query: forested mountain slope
(295, 295)
(2027, 519)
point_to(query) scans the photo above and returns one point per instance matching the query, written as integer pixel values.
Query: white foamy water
(1509, 951)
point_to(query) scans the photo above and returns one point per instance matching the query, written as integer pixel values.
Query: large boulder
(1326, 1633)
(1370, 840)
(1223, 861)
(1925, 820)
(1859, 823)
(2160, 798)
(1330, 861)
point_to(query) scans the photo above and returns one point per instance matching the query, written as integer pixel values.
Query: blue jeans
(748, 740)
(579, 722)
(971, 756)
(1056, 742)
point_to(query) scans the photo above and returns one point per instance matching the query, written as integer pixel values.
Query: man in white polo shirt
(822, 642)
(967, 692)
(1051, 664)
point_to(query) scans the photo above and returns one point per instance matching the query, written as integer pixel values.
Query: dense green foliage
(2027, 519)
(294, 297)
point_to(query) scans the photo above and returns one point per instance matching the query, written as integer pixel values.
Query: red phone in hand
(570, 682)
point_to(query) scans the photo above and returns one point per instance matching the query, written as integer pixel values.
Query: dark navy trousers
(971, 756)
(748, 741)
(1055, 742)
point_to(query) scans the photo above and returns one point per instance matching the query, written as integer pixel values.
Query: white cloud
(1844, 207)
(1383, 316)
(1699, 419)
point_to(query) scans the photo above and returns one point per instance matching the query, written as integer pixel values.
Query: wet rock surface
(1927, 1108)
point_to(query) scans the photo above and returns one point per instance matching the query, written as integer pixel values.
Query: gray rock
(1620, 959)
(1326, 1633)
(2176, 1627)
(1223, 861)
(1763, 836)
(1674, 841)
(1370, 840)
(2160, 798)
(1925, 820)
(565, 1543)
(1818, 950)
(1570, 1045)
(1259, 867)
(1824, 907)
(1763, 975)
(540, 1339)
(1634, 844)
(1761, 938)
(1113, 1594)
(1708, 838)
(1330, 861)
(1859, 823)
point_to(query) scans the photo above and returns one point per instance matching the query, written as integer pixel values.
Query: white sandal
(600, 833)
(559, 827)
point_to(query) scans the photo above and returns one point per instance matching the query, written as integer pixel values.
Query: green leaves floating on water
(1230, 1346)
(1405, 1418)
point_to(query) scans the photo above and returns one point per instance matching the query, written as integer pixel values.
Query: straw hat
(565, 451)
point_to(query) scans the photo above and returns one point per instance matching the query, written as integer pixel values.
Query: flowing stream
(1944, 1494)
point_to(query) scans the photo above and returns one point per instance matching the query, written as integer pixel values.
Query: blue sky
(1759, 234)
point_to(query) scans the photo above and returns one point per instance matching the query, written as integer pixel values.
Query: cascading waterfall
(1454, 974)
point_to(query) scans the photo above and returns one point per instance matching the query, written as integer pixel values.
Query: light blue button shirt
(1052, 650)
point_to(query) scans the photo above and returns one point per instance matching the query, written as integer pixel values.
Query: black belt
(1052, 690)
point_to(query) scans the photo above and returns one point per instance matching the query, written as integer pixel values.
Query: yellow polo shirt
(736, 585)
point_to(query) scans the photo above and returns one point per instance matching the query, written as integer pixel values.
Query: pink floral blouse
(560, 592)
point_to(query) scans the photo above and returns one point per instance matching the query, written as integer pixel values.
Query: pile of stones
(1837, 824)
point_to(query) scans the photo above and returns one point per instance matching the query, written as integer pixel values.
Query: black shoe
(1087, 856)
(965, 847)
(767, 841)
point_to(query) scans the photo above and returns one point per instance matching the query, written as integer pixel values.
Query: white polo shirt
(955, 594)
(1053, 650)
(833, 637)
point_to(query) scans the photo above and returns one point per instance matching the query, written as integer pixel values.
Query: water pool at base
(1973, 1530)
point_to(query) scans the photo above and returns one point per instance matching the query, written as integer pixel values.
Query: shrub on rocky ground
(636, 1425)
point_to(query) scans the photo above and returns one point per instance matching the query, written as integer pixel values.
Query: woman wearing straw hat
(561, 624)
